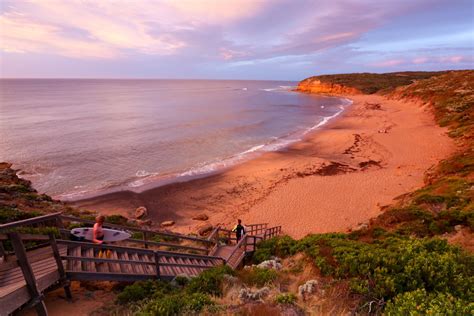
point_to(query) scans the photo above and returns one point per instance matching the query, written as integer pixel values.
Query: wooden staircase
(87, 261)
(26, 273)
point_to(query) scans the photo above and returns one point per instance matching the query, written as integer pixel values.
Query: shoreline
(323, 183)
(209, 169)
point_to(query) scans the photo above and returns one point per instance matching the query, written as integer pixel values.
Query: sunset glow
(231, 39)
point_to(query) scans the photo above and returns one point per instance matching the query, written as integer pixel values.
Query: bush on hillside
(209, 281)
(258, 276)
(285, 298)
(388, 267)
(420, 302)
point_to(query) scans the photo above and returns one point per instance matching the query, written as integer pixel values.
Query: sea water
(77, 137)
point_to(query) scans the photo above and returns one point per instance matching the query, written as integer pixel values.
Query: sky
(231, 39)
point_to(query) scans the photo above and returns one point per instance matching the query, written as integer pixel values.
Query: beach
(335, 179)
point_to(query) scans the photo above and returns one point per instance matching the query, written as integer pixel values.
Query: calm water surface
(76, 137)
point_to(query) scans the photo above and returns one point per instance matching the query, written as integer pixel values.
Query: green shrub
(419, 302)
(278, 246)
(15, 188)
(137, 235)
(196, 302)
(11, 214)
(209, 281)
(166, 306)
(258, 276)
(397, 265)
(286, 298)
(177, 304)
(142, 290)
(116, 219)
(378, 232)
(181, 280)
(163, 238)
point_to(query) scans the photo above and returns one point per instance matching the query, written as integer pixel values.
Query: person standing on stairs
(239, 230)
(98, 234)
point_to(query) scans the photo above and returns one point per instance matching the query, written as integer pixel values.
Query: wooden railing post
(145, 238)
(157, 264)
(3, 253)
(20, 252)
(61, 226)
(59, 262)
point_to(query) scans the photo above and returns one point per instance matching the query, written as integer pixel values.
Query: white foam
(253, 149)
(326, 119)
(144, 173)
(274, 145)
(279, 88)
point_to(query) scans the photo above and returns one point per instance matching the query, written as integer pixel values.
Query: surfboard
(109, 234)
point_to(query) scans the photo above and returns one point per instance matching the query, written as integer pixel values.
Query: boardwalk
(26, 273)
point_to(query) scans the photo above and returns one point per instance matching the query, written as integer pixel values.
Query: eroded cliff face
(314, 85)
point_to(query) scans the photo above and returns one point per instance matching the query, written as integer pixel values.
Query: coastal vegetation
(415, 258)
(401, 262)
(370, 83)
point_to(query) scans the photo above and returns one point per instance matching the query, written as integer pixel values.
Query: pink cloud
(420, 60)
(388, 63)
(452, 59)
(262, 29)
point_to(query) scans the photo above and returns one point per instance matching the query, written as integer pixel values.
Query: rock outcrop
(167, 223)
(205, 229)
(314, 85)
(308, 288)
(247, 295)
(201, 217)
(141, 212)
(271, 264)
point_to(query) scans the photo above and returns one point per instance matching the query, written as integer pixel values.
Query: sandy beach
(336, 178)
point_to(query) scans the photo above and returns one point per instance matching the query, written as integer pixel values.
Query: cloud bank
(218, 38)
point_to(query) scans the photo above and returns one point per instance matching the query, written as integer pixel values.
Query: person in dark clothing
(239, 230)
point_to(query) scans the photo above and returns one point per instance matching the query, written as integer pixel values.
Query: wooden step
(174, 270)
(149, 269)
(113, 267)
(189, 271)
(138, 267)
(75, 265)
(127, 267)
(88, 265)
(165, 270)
(102, 267)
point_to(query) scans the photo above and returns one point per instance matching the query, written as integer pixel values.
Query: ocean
(76, 138)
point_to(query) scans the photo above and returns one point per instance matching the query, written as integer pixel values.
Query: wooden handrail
(30, 221)
(185, 265)
(32, 286)
(214, 232)
(25, 237)
(187, 255)
(107, 260)
(135, 229)
(102, 246)
(164, 244)
(272, 232)
(239, 244)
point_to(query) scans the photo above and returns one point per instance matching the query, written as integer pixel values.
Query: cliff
(366, 83)
(399, 262)
(314, 85)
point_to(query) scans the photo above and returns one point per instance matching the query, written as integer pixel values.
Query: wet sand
(336, 178)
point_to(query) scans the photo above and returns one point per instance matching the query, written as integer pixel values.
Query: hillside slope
(402, 262)
(366, 83)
